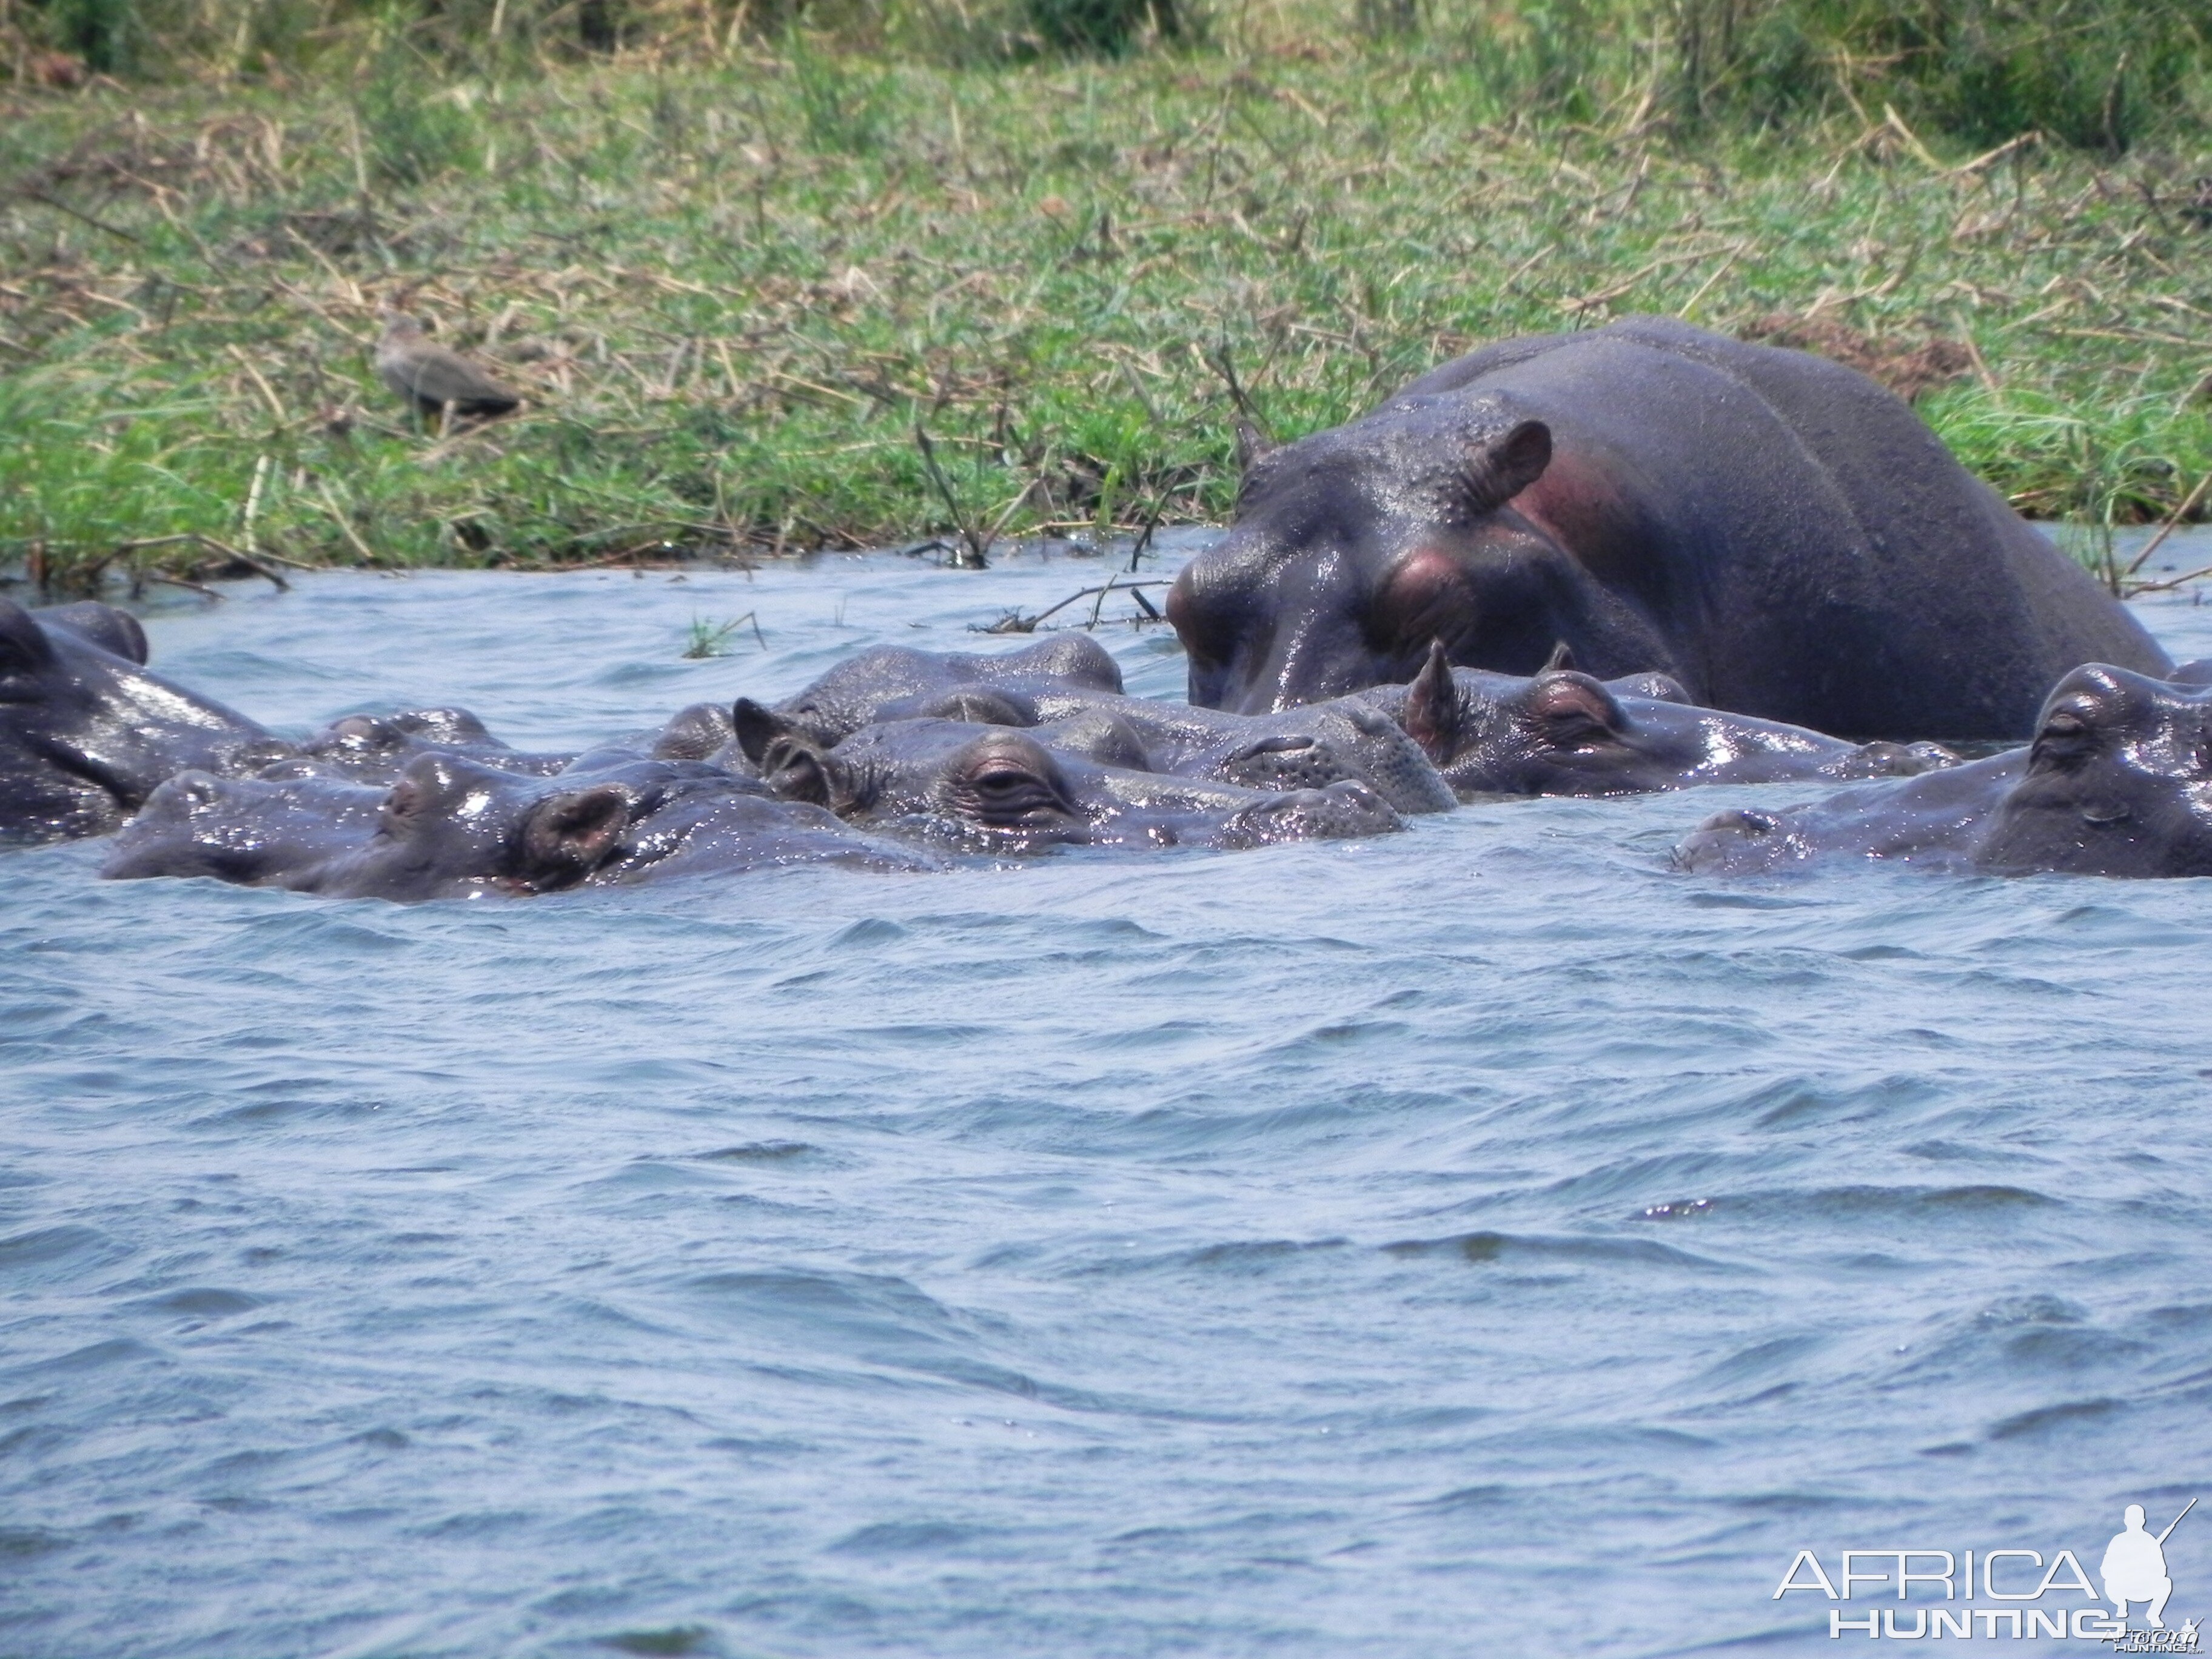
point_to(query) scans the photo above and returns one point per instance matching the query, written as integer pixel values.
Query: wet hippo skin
(994, 788)
(87, 732)
(1561, 733)
(2117, 782)
(452, 827)
(1777, 533)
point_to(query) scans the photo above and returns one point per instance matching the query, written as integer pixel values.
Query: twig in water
(1100, 607)
(179, 581)
(2166, 529)
(1151, 523)
(1014, 622)
(2169, 585)
(252, 560)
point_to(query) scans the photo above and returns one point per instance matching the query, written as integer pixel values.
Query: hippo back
(1821, 557)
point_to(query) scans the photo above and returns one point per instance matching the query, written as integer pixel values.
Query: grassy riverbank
(733, 291)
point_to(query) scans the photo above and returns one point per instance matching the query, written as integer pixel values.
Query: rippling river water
(1478, 1241)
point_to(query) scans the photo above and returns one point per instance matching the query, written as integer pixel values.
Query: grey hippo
(2117, 782)
(1777, 533)
(994, 789)
(452, 827)
(889, 682)
(1563, 732)
(87, 734)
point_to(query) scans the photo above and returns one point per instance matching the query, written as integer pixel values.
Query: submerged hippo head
(1562, 732)
(998, 789)
(452, 827)
(2118, 782)
(1354, 548)
(892, 682)
(252, 832)
(376, 748)
(87, 734)
(1314, 746)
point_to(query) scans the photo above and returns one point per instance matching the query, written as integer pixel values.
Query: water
(1473, 1241)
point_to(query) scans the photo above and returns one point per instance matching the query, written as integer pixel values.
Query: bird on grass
(434, 379)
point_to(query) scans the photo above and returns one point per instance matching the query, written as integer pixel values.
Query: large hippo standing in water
(86, 733)
(1777, 533)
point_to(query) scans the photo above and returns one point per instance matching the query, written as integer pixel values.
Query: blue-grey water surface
(1478, 1241)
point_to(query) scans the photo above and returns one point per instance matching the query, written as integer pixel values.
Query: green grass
(734, 289)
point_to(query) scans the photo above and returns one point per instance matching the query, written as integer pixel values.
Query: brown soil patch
(1905, 368)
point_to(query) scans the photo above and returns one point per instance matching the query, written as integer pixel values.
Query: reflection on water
(1475, 1241)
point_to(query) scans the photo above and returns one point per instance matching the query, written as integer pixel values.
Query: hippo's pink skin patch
(1578, 505)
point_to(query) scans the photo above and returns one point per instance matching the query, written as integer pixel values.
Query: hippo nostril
(1285, 744)
(1342, 810)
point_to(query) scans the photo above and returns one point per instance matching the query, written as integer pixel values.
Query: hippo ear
(1500, 468)
(115, 632)
(794, 768)
(758, 727)
(568, 836)
(23, 645)
(1431, 717)
(1253, 446)
(1562, 657)
(1570, 707)
(694, 733)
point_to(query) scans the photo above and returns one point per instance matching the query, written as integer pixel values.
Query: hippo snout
(1344, 811)
(1285, 761)
(1727, 840)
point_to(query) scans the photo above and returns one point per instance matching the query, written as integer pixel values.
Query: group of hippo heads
(1641, 558)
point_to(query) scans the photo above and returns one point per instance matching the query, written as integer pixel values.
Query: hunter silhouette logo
(2134, 1567)
(2020, 1593)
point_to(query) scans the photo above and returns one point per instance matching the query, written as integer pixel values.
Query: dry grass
(735, 292)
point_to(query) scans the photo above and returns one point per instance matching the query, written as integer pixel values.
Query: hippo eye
(2067, 735)
(1006, 794)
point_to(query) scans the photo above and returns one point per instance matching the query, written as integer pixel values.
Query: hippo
(87, 734)
(1777, 533)
(1564, 732)
(2117, 782)
(252, 832)
(891, 682)
(376, 748)
(452, 827)
(1304, 748)
(998, 789)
